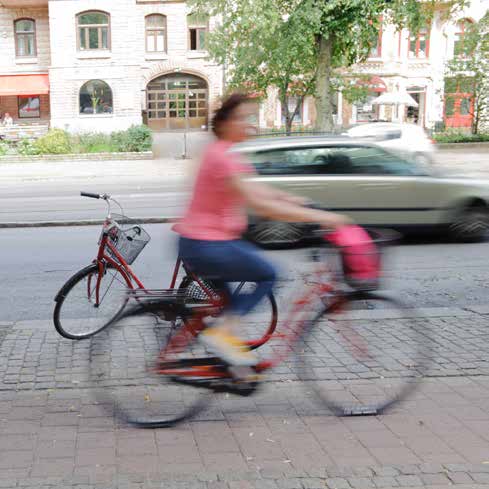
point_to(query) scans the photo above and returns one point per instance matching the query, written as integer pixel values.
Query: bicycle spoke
(108, 287)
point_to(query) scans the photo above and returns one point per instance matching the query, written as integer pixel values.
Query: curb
(85, 222)
(366, 314)
(463, 146)
(123, 156)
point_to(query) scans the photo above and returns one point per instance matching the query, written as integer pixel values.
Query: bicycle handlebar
(108, 200)
(95, 196)
(91, 195)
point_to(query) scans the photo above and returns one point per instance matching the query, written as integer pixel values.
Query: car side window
(292, 161)
(370, 160)
(331, 160)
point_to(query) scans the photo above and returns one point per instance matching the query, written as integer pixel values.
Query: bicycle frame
(104, 259)
(293, 324)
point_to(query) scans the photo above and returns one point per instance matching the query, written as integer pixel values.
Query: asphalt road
(33, 192)
(34, 263)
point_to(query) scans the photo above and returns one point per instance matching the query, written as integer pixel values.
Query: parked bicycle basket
(129, 239)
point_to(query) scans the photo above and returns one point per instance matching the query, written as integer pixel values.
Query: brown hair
(225, 112)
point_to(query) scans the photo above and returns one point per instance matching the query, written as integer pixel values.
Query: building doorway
(459, 102)
(178, 101)
(416, 115)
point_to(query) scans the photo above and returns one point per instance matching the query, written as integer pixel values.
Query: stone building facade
(103, 65)
(100, 65)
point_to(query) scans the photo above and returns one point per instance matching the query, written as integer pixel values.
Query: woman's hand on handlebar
(332, 220)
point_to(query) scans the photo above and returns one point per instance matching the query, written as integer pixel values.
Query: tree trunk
(475, 115)
(284, 101)
(323, 99)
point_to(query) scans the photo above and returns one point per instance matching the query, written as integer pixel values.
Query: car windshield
(334, 160)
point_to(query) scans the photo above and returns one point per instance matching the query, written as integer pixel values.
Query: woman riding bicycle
(210, 232)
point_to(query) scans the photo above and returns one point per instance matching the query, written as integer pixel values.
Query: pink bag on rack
(360, 256)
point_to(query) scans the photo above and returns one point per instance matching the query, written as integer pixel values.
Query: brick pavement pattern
(54, 434)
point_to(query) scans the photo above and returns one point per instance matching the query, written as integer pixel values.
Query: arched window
(93, 30)
(198, 25)
(25, 37)
(155, 33)
(419, 44)
(96, 98)
(460, 46)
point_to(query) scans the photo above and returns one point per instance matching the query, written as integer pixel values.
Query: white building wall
(119, 67)
(9, 63)
(127, 68)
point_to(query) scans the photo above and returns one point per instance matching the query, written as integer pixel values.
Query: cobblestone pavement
(54, 434)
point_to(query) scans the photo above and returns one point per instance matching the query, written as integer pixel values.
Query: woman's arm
(269, 192)
(267, 202)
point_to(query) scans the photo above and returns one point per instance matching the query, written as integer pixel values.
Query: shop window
(96, 98)
(29, 107)
(366, 110)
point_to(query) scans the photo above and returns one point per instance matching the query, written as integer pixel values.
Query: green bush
(55, 142)
(460, 137)
(136, 138)
(26, 147)
(93, 143)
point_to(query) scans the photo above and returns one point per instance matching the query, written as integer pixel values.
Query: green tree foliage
(299, 46)
(265, 43)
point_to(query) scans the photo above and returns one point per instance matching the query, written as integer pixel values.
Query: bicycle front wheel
(78, 314)
(363, 354)
(128, 375)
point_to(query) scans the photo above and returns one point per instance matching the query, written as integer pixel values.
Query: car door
(389, 189)
(372, 186)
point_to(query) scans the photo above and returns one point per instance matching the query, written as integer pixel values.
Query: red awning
(24, 85)
(375, 83)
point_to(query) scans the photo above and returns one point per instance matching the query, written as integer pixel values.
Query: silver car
(367, 182)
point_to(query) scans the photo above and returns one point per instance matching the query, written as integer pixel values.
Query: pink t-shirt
(216, 212)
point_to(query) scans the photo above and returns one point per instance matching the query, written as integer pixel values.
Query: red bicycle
(358, 351)
(93, 297)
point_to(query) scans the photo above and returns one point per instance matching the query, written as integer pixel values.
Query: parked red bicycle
(358, 351)
(94, 296)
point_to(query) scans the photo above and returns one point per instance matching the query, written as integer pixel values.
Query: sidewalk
(53, 433)
(60, 171)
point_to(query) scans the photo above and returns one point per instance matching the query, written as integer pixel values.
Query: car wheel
(472, 224)
(275, 234)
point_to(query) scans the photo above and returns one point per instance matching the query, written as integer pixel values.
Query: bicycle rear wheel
(365, 353)
(125, 370)
(77, 315)
(260, 323)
